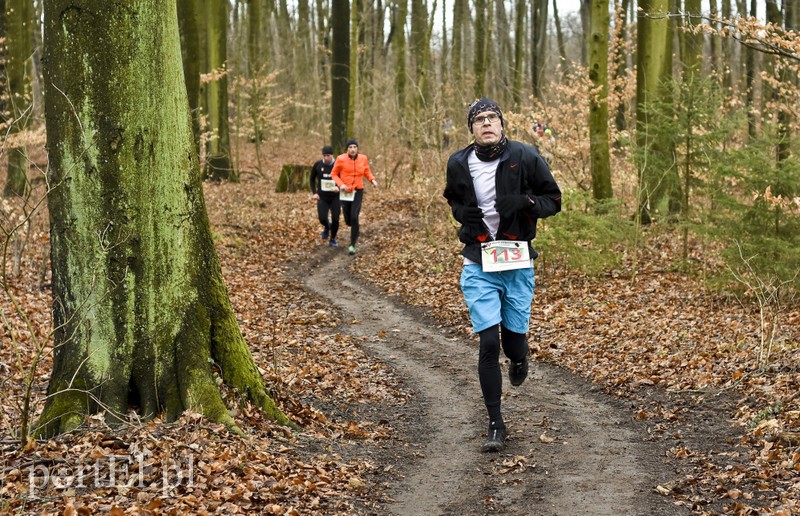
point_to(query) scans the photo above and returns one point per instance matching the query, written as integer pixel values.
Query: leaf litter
(662, 342)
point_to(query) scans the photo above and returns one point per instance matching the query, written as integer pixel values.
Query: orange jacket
(350, 172)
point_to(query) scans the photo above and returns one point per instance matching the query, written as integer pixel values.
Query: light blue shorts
(498, 297)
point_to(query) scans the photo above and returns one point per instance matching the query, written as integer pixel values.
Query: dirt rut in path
(571, 450)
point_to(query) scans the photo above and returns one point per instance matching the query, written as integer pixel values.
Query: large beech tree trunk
(142, 314)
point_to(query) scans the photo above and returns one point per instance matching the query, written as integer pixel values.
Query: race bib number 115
(505, 255)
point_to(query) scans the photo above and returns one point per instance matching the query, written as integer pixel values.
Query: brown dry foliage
(662, 331)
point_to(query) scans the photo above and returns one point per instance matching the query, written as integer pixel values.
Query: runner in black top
(325, 192)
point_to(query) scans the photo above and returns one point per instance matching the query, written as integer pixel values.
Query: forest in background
(665, 120)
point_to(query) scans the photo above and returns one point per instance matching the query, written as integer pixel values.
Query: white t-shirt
(483, 177)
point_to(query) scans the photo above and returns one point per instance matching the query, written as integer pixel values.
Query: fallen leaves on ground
(658, 333)
(633, 331)
(321, 378)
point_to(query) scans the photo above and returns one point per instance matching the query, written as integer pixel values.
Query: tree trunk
(293, 178)
(782, 150)
(256, 67)
(303, 33)
(750, 82)
(352, 81)
(377, 56)
(727, 50)
(785, 118)
(519, 50)
(444, 64)
(238, 61)
(621, 62)
(692, 61)
(562, 46)
(141, 312)
(284, 27)
(188, 20)
(255, 57)
(324, 44)
(460, 10)
(741, 11)
(420, 49)
(598, 105)
(3, 60)
(37, 84)
(218, 151)
(399, 55)
(768, 93)
(586, 13)
(538, 43)
(340, 72)
(504, 56)
(481, 39)
(693, 42)
(714, 39)
(658, 175)
(19, 45)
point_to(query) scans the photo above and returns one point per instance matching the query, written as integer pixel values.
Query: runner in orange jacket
(349, 172)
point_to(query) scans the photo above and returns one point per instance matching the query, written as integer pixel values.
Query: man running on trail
(498, 189)
(326, 193)
(349, 172)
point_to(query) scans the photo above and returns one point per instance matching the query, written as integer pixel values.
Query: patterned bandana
(479, 106)
(491, 152)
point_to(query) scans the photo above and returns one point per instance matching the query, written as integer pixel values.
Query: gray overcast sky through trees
(566, 7)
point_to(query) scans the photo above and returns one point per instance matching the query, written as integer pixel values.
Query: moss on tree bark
(139, 303)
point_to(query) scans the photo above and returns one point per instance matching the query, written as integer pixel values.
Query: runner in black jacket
(498, 189)
(325, 192)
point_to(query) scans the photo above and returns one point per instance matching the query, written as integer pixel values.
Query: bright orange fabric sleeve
(337, 168)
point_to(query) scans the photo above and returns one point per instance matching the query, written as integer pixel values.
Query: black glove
(507, 205)
(471, 216)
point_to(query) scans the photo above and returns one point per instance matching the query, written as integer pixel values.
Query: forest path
(598, 463)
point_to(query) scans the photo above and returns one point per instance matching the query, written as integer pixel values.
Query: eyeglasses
(491, 118)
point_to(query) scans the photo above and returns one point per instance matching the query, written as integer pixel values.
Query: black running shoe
(517, 372)
(496, 440)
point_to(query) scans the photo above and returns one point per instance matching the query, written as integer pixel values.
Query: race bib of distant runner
(327, 185)
(347, 196)
(505, 255)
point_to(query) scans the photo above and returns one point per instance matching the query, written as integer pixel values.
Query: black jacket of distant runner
(319, 172)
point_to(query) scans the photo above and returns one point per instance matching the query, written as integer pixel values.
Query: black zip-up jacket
(521, 170)
(319, 172)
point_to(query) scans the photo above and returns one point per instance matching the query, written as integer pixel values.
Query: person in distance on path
(325, 192)
(498, 189)
(349, 172)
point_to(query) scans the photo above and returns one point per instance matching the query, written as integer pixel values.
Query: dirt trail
(598, 463)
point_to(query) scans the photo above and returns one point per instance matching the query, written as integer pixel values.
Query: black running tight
(515, 347)
(330, 204)
(351, 210)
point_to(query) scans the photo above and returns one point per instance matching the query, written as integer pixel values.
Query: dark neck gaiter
(491, 152)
